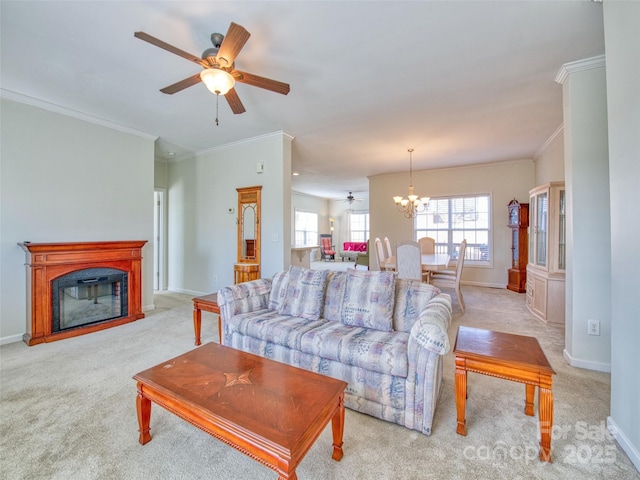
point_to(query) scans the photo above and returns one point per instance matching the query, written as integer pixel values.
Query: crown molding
(247, 141)
(579, 66)
(52, 107)
(559, 131)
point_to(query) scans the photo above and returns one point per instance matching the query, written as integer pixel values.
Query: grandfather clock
(518, 223)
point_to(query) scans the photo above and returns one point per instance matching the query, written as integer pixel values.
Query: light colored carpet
(68, 412)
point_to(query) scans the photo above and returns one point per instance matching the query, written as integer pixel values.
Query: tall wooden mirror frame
(249, 203)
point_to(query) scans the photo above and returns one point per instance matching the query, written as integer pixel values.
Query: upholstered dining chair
(409, 260)
(427, 245)
(387, 246)
(328, 250)
(451, 278)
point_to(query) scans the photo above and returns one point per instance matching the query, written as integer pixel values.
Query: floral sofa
(351, 250)
(386, 337)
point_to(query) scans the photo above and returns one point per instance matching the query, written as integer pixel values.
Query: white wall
(503, 181)
(588, 286)
(203, 235)
(622, 41)
(66, 180)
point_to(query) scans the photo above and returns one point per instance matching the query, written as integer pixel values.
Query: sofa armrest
(244, 297)
(431, 328)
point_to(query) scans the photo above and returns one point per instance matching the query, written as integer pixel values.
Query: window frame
(367, 221)
(310, 239)
(472, 247)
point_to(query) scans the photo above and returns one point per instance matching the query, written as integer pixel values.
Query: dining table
(431, 262)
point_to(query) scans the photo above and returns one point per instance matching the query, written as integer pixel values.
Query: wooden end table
(268, 410)
(208, 303)
(512, 357)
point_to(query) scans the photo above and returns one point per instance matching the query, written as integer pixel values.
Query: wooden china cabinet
(518, 223)
(547, 253)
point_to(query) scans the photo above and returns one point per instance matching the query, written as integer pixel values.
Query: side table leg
(337, 429)
(530, 391)
(461, 395)
(545, 412)
(197, 323)
(143, 407)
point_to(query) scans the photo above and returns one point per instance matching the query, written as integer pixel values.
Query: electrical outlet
(274, 237)
(594, 327)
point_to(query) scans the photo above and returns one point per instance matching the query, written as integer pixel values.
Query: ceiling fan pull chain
(217, 97)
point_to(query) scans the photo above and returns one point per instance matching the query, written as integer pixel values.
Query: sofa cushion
(336, 282)
(374, 350)
(278, 289)
(368, 299)
(272, 327)
(304, 296)
(411, 298)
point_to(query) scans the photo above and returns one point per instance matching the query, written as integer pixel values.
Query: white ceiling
(461, 82)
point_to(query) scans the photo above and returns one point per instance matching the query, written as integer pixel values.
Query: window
(359, 226)
(453, 219)
(306, 228)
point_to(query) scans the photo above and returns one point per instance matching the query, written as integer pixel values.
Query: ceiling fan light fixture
(217, 81)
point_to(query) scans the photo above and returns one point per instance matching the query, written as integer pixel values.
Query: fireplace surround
(78, 288)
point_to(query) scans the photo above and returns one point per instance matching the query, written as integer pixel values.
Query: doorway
(158, 239)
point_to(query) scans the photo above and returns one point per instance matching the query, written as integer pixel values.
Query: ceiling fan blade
(234, 101)
(256, 81)
(170, 48)
(233, 42)
(181, 85)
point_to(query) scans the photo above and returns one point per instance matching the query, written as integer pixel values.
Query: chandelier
(413, 204)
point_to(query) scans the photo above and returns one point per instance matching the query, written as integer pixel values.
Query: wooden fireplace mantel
(47, 261)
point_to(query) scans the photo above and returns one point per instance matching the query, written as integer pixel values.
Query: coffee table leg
(461, 395)
(143, 406)
(337, 428)
(197, 324)
(545, 412)
(530, 391)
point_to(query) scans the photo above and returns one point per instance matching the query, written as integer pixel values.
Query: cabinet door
(541, 229)
(539, 295)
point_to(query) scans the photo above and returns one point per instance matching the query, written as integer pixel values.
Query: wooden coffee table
(268, 410)
(512, 357)
(208, 303)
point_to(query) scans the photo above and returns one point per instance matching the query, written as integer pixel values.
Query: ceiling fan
(350, 199)
(219, 74)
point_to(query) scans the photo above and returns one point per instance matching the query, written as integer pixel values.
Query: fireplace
(88, 296)
(78, 288)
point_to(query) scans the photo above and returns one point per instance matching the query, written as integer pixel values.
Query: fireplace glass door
(88, 296)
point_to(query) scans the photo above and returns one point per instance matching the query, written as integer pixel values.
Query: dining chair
(409, 260)
(380, 254)
(388, 248)
(451, 278)
(427, 245)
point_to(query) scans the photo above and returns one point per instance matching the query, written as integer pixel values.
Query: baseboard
(586, 364)
(188, 292)
(11, 339)
(484, 284)
(146, 308)
(624, 442)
